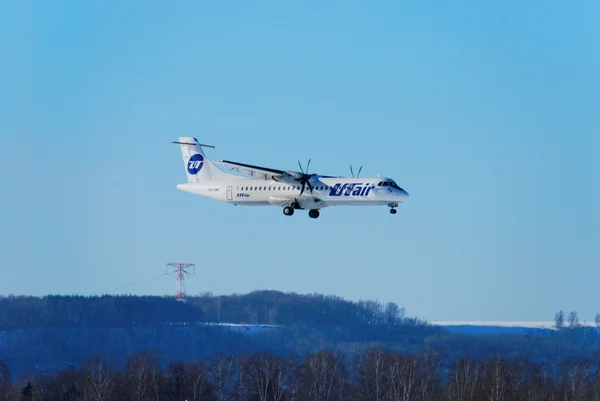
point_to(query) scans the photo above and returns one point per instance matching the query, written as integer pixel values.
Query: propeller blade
(303, 184)
(310, 186)
(301, 169)
(359, 170)
(351, 171)
(308, 165)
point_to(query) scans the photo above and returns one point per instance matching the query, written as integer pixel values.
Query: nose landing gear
(393, 208)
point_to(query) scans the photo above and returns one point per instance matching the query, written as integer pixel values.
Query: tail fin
(198, 167)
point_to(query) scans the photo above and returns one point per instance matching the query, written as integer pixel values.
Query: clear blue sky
(488, 113)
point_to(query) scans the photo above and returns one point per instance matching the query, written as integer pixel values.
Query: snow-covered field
(525, 324)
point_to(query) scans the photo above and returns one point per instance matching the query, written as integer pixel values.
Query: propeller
(306, 177)
(352, 171)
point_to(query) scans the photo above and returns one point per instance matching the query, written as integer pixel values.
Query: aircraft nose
(403, 194)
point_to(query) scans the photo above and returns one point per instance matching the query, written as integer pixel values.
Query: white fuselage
(326, 192)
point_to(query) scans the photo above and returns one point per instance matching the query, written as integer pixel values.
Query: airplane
(290, 190)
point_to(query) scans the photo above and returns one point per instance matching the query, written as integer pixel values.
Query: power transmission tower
(180, 269)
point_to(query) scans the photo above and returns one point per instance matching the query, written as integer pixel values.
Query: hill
(46, 334)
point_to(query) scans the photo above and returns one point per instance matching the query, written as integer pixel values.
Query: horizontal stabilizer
(192, 144)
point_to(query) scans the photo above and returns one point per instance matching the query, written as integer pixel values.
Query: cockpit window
(388, 184)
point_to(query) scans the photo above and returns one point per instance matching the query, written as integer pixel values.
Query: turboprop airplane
(290, 190)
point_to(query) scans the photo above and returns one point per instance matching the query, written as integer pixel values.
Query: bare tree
(519, 378)
(176, 381)
(222, 368)
(218, 301)
(100, 379)
(268, 375)
(495, 383)
(70, 384)
(574, 380)
(45, 387)
(243, 381)
(546, 389)
(573, 320)
(392, 313)
(464, 379)
(594, 394)
(559, 319)
(428, 374)
(5, 381)
(198, 381)
(371, 368)
(319, 373)
(158, 383)
(272, 314)
(138, 373)
(412, 377)
(402, 377)
(252, 314)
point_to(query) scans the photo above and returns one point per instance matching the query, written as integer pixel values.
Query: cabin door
(229, 193)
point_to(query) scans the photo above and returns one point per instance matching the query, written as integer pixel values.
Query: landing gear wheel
(313, 213)
(393, 211)
(288, 211)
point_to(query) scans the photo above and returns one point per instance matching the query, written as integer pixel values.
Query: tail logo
(195, 164)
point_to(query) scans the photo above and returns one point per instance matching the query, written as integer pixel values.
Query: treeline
(259, 307)
(274, 307)
(375, 374)
(58, 311)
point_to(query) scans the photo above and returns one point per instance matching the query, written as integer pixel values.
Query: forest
(52, 338)
(375, 374)
(258, 307)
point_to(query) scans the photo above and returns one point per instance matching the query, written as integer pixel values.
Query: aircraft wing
(254, 171)
(266, 173)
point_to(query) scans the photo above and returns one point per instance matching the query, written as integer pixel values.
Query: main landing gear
(313, 213)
